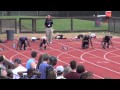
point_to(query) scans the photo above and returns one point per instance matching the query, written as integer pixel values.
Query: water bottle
(14, 45)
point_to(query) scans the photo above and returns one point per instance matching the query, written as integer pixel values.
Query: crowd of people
(45, 68)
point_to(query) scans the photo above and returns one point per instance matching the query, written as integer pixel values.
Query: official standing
(49, 29)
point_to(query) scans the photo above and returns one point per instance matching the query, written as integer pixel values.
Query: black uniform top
(48, 23)
(107, 39)
(23, 39)
(80, 36)
(86, 38)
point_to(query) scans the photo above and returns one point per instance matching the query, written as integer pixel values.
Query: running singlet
(107, 39)
(23, 39)
(43, 37)
(86, 39)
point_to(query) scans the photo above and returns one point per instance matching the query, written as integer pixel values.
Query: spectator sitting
(31, 62)
(39, 61)
(67, 69)
(52, 75)
(72, 74)
(19, 68)
(86, 75)
(52, 61)
(60, 72)
(2, 67)
(43, 65)
(80, 69)
(32, 74)
(50, 69)
(10, 73)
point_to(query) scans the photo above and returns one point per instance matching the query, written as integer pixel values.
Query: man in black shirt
(49, 29)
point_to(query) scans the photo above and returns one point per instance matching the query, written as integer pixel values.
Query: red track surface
(102, 62)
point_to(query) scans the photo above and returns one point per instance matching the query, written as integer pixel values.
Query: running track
(102, 62)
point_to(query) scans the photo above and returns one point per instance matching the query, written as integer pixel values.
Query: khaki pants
(49, 33)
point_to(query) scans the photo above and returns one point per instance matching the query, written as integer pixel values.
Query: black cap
(17, 60)
(53, 60)
(1, 58)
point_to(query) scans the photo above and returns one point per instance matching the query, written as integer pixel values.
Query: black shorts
(43, 42)
(22, 43)
(106, 42)
(85, 45)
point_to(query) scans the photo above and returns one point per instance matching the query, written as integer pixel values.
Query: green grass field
(59, 24)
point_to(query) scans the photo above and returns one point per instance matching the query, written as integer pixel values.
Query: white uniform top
(92, 35)
(58, 37)
(16, 70)
(33, 38)
(44, 37)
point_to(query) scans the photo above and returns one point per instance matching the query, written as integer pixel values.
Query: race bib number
(48, 24)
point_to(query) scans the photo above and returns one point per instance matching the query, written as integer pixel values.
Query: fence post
(15, 25)
(20, 25)
(33, 25)
(109, 25)
(114, 25)
(0, 26)
(71, 24)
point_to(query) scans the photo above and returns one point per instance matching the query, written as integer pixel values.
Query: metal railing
(8, 24)
(8, 64)
(62, 24)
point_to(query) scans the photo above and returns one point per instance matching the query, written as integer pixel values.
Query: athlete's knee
(41, 44)
(86, 46)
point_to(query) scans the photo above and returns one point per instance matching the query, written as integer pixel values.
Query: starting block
(65, 47)
(2, 49)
